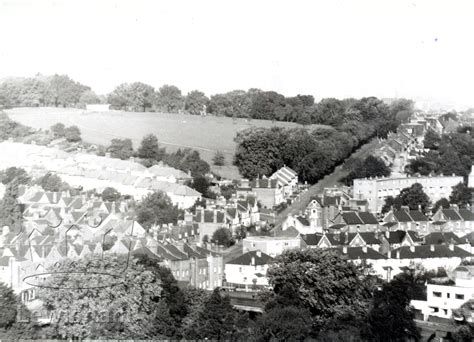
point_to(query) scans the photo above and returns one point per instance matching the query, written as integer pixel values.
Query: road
(328, 181)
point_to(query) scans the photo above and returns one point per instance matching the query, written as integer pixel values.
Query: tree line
(314, 152)
(451, 153)
(61, 90)
(40, 91)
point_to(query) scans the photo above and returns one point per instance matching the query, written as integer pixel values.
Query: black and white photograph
(266, 170)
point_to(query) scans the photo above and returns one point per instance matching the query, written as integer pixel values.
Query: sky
(417, 49)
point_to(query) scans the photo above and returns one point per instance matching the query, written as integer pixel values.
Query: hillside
(204, 134)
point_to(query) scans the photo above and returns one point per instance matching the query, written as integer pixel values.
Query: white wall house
(249, 269)
(271, 245)
(443, 299)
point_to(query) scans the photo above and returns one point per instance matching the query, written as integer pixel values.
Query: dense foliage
(157, 208)
(55, 90)
(369, 167)
(413, 197)
(314, 152)
(12, 129)
(451, 153)
(52, 182)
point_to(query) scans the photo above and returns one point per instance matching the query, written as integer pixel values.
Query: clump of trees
(157, 208)
(451, 153)
(223, 237)
(52, 182)
(12, 129)
(364, 168)
(313, 153)
(39, 91)
(413, 197)
(72, 133)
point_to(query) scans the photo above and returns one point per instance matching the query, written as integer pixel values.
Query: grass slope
(205, 134)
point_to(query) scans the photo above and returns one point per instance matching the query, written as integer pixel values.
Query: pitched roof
(351, 218)
(285, 175)
(418, 216)
(288, 232)
(368, 218)
(437, 238)
(246, 259)
(430, 251)
(303, 220)
(355, 253)
(401, 216)
(466, 215)
(451, 215)
(312, 239)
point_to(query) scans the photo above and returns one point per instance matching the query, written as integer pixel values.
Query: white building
(443, 299)
(375, 190)
(249, 269)
(271, 245)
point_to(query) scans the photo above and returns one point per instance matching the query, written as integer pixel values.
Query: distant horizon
(417, 49)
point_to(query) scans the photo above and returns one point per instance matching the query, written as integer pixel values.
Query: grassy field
(205, 134)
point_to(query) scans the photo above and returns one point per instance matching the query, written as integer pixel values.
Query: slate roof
(401, 216)
(368, 218)
(312, 239)
(451, 215)
(246, 259)
(288, 232)
(264, 183)
(418, 216)
(351, 218)
(438, 238)
(425, 252)
(466, 215)
(355, 253)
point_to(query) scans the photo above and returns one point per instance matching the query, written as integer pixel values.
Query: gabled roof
(355, 253)
(466, 215)
(246, 259)
(451, 215)
(430, 251)
(285, 175)
(418, 216)
(264, 183)
(367, 218)
(351, 218)
(438, 238)
(402, 216)
(312, 239)
(370, 238)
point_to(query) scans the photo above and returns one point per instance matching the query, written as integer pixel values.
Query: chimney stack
(451, 247)
(364, 249)
(344, 249)
(412, 249)
(398, 254)
(432, 248)
(252, 262)
(259, 253)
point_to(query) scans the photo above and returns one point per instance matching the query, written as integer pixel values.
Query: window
(445, 311)
(459, 296)
(437, 294)
(448, 295)
(435, 309)
(240, 269)
(253, 244)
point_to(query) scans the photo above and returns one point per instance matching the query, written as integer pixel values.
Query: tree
(288, 323)
(121, 148)
(10, 210)
(370, 167)
(8, 303)
(196, 102)
(321, 281)
(89, 97)
(432, 140)
(136, 96)
(64, 91)
(149, 149)
(222, 237)
(461, 195)
(441, 203)
(391, 317)
(111, 195)
(128, 302)
(391, 202)
(216, 320)
(72, 134)
(414, 197)
(157, 208)
(52, 182)
(219, 159)
(201, 184)
(58, 130)
(169, 99)
(19, 175)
